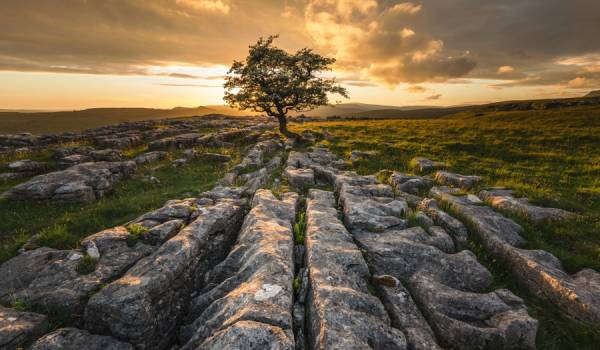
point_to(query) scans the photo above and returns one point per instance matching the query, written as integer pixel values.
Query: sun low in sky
(74, 54)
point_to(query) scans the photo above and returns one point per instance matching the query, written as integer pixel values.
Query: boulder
(504, 201)
(457, 229)
(249, 295)
(372, 207)
(26, 166)
(342, 312)
(300, 179)
(424, 165)
(456, 180)
(150, 157)
(80, 183)
(410, 184)
(146, 304)
(106, 155)
(18, 329)
(77, 339)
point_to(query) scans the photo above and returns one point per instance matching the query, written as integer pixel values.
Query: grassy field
(62, 225)
(551, 156)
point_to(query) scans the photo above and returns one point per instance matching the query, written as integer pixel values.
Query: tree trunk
(283, 128)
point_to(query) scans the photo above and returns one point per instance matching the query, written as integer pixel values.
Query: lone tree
(275, 82)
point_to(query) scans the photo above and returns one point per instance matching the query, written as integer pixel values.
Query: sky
(73, 54)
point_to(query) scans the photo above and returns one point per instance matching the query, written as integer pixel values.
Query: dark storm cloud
(522, 42)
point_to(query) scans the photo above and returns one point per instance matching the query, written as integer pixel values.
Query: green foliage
(297, 283)
(136, 233)
(57, 236)
(275, 82)
(300, 229)
(86, 265)
(20, 305)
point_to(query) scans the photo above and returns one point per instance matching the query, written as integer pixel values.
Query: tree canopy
(275, 82)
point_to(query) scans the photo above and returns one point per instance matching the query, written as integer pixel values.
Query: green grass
(62, 225)
(86, 265)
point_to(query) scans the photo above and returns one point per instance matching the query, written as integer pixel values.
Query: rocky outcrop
(577, 295)
(247, 301)
(26, 166)
(80, 183)
(121, 142)
(342, 312)
(504, 200)
(457, 230)
(372, 207)
(424, 165)
(19, 329)
(145, 306)
(456, 180)
(77, 339)
(409, 183)
(179, 141)
(150, 157)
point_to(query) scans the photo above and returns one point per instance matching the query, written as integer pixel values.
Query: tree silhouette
(275, 82)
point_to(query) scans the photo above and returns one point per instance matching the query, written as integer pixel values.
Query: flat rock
(447, 178)
(372, 207)
(300, 179)
(26, 165)
(80, 183)
(342, 312)
(145, 305)
(577, 295)
(455, 227)
(409, 183)
(506, 202)
(150, 157)
(249, 295)
(19, 329)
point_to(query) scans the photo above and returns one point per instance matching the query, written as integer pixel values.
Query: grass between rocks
(63, 225)
(552, 157)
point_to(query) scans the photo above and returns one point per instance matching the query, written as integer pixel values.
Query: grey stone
(457, 229)
(19, 329)
(371, 207)
(299, 255)
(342, 312)
(456, 180)
(106, 155)
(506, 202)
(146, 304)
(300, 179)
(150, 157)
(77, 339)
(578, 295)
(253, 284)
(26, 165)
(424, 165)
(410, 184)
(80, 183)
(57, 287)
(358, 155)
(423, 220)
(179, 162)
(163, 232)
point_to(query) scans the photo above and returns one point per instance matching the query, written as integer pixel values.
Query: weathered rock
(474, 321)
(504, 200)
(424, 165)
(577, 295)
(80, 183)
(410, 184)
(219, 192)
(163, 232)
(26, 165)
(449, 223)
(73, 159)
(456, 180)
(252, 285)
(118, 142)
(423, 220)
(150, 157)
(179, 141)
(298, 313)
(300, 179)
(145, 305)
(342, 312)
(19, 329)
(77, 339)
(106, 155)
(58, 287)
(372, 207)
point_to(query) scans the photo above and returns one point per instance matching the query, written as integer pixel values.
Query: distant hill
(595, 93)
(53, 122)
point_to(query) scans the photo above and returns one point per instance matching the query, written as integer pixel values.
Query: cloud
(416, 89)
(505, 69)
(368, 37)
(217, 6)
(190, 85)
(434, 97)
(405, 7)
